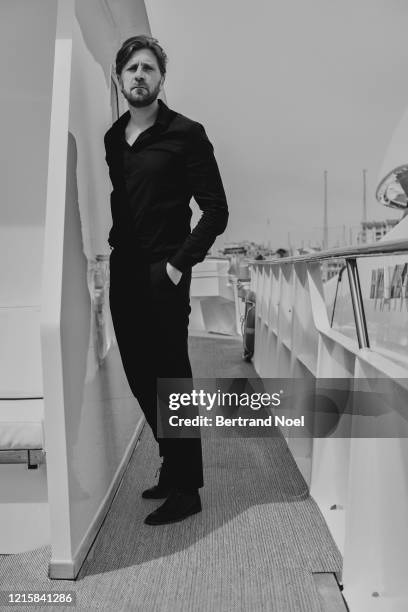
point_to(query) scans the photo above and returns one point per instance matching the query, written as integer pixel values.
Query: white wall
(27, 31)
(92, 419)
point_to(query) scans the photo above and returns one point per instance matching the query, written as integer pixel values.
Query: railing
(390, 285)
(384, 247)
(353, 327)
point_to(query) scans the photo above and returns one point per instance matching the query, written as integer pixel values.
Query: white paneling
(92, 419)
(359, 483)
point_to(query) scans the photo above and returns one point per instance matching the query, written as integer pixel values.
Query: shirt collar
(164, 116)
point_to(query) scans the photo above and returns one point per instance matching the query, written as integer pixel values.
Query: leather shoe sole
(156, 493)
(161, 518)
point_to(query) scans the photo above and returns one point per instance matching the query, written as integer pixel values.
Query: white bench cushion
(21, 424)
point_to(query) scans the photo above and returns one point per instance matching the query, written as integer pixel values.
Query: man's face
(140, 79)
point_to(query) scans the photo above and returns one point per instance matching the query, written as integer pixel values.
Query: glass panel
(384, 287)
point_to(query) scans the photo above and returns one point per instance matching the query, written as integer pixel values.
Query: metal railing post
(357, 301)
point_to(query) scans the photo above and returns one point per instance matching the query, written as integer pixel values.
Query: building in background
(371, 231)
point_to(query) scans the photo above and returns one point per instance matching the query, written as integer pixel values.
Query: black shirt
(153, 182)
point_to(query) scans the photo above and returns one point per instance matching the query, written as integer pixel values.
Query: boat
(69, 425)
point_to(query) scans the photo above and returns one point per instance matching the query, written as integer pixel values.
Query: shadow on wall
(75, 310)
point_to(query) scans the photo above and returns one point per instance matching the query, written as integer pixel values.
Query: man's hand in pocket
(174, 274)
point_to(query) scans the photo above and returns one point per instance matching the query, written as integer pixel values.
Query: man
(158, 159)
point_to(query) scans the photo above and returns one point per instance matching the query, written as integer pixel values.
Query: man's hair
(135, 43)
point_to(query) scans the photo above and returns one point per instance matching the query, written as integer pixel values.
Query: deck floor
(255, 546)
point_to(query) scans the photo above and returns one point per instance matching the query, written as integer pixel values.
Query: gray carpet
(254, 546)
(215, 355)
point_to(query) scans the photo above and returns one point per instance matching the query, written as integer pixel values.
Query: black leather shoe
(156, 492)
(178, 506)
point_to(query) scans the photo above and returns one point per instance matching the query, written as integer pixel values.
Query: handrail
(386, 247)
(350, 254)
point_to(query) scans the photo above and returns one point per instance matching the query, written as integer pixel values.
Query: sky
(287, 89)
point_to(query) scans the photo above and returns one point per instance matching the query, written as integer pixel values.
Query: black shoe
(178, 506)
(157, 492)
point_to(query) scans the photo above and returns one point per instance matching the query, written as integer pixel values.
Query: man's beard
(145, 100)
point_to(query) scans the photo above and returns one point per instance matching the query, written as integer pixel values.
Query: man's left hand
(174, 274)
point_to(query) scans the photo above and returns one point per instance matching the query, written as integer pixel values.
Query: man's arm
(207, 189)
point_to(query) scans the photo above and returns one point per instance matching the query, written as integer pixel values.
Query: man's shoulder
(193, 128)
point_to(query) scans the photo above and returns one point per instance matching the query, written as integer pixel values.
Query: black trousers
(150, 318)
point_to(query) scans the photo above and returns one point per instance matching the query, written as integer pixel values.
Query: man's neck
(144, 116)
